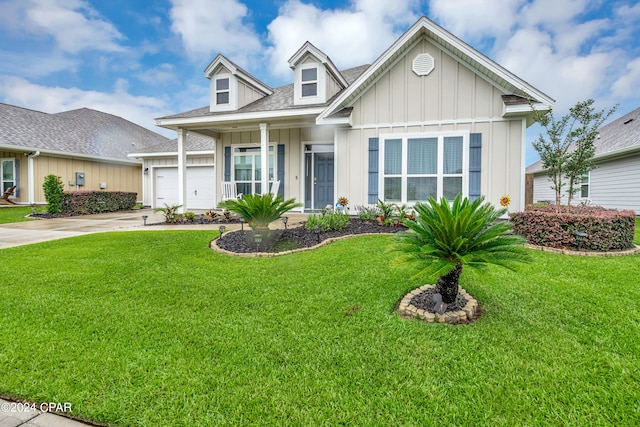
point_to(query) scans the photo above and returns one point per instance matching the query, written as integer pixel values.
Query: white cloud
(208, 28)
(352, 36)
(628, 85)
(160, 74)
(472, 20)
(73, 24)
(138, 109)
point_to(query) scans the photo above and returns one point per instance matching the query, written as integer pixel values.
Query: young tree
(567, 151)
(53, 189)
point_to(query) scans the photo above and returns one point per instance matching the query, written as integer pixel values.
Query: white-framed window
(584, 186)
(247, 169)
(309, 78)
(7, 174)
(418, 166)
(222, 91)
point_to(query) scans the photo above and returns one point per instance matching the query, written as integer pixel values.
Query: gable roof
(309, 48)
(618, 138)
(236, 70)
(83, 132)
(481, 64)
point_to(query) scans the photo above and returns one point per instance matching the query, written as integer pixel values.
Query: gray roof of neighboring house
(621, 134)
(81, 132)
(195, 142)
(281, 99)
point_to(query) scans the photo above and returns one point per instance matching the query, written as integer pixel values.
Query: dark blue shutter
(227, 164)
(280, 166)
(17, 178)
(475, 163)
(373, 169)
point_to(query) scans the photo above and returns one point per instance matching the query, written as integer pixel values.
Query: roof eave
(177, 123)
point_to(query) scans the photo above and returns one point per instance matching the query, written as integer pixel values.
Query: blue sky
(145, 59)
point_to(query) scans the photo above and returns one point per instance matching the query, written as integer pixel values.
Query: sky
(146, 59)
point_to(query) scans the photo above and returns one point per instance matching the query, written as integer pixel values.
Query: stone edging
(469, 312)
(632, 251)
(214, 246)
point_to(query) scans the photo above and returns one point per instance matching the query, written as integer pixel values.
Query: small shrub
(53, 189)
(369, 213)
(189, 216)
(329, 221)
(90, 202)
(170, 213)
(259, 209)
(607, 229)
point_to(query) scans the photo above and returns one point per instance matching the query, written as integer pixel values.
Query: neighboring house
(86, 148)
(615, 181)
(160, 168)
(430, 117)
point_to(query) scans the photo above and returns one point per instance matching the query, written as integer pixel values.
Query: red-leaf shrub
(607, 229)
(89, 202)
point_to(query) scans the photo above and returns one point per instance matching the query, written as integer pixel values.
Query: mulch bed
(296, 237)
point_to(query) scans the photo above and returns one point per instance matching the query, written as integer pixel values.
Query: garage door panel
(200, 187)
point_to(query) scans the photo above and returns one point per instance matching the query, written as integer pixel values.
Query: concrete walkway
(42, 230)
(13, 414)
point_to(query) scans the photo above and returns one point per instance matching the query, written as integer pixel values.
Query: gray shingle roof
(620, 134)
(195, 142)
(281, 99)
(79, 132)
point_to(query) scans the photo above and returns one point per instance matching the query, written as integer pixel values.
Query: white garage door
(200, 187)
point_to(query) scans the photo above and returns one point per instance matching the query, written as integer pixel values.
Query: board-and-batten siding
(450, 98)
(118, 177)
(616, 184)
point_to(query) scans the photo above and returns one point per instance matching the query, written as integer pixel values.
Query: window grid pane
(393, 157)
(393, 189)
(420, 189)
(222, 98)
(309, 74)
(310, 89)
(422, 156)
(451, 187)
(453, 155)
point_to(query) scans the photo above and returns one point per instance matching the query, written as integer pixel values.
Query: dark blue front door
(323, 180)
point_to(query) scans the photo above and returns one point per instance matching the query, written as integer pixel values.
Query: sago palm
(446, 236)
(259, 210)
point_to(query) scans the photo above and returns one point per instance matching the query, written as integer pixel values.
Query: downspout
(31, 177)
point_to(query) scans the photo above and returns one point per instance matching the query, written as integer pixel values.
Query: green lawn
(152, 328)
(14, 214)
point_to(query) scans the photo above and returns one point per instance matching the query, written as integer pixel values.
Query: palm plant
(259, 209)
(445, 236)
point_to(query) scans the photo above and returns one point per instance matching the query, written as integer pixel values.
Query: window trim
(2, 180)
(222, 91)
(304, 82)
(585, 184)
(320, 83)
(439, 175)
(273, 151)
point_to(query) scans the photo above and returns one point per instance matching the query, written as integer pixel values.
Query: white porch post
(336, 183)
(182, 170)
(31, 183)
(264, 157)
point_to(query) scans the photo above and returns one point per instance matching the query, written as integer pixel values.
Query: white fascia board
(171, 154)
(520, 109)
(222, 118)
(610, 155)
(335, 121)
(56, 153)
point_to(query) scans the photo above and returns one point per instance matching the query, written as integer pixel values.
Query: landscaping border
(632, 251)
(469, 313)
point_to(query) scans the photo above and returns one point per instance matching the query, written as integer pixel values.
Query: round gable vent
(423, 64)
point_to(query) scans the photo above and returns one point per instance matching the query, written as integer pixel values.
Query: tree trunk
(447, 285)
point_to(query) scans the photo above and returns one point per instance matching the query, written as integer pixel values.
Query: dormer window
(222, 91)
(310, 82)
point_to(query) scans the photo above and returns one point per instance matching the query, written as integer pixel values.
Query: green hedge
(89, 202)
(607, 229)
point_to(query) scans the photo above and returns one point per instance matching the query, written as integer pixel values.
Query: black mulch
(424, 300)
(294, 238)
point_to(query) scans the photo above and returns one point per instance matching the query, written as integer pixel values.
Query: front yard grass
(10, 214)
(153, 328)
